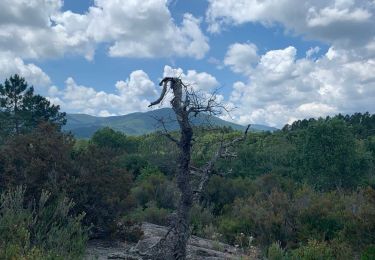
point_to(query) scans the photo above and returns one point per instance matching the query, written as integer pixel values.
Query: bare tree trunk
(184, 102)
(173, 246)
(183, 174)
(186, 199)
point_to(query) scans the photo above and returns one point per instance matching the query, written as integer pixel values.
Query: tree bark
(183, 174)
(173, 245)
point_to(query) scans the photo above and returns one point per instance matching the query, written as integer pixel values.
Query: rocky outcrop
(198, 248)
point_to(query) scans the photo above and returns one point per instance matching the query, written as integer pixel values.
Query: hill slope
(84, 126)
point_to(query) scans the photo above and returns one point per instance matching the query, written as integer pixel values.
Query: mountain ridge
(139, 123)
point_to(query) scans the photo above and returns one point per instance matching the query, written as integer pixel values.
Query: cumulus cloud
(344, 23)
(144, 29)
(10, 64)
(132, 95)
(282, 88)
(40, 29)
(240, 57)
(28, 29)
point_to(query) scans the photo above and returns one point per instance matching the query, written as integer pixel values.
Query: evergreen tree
(22, 110)
(328, 156)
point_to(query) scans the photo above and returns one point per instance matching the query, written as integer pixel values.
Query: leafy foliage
(314, 250)
(45, 230)
(109, 138)
(101, 188)
(328, 156)
(38, 160)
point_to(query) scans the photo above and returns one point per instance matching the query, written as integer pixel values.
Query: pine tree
(21, 110)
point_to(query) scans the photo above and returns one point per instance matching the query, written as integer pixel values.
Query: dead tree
(187, 103)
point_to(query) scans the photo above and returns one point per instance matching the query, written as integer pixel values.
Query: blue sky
(273, 61)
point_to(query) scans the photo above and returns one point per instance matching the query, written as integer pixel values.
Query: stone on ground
(198, 248)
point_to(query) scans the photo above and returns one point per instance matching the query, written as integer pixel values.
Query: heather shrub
(276, 252)
(42, 229)
(314, 250)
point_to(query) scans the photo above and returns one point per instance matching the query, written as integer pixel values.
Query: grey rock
(197, 249)
(144, 244)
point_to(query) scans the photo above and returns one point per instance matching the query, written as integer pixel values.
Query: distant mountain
(84, 126)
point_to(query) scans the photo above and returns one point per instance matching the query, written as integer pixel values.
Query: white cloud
(29, 29)
(282, 88)
(28, 13)
(138, 84)
(145, 29)
(138, 28)
(240, 57)
(277, 65)
(343, 23)
(314, 109)
(105, 113)
(133, 95)
(10, 64)
(330, 15)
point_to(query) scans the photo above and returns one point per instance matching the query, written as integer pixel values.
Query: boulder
(197, 249)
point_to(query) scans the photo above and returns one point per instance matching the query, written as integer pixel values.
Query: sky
(271, 61)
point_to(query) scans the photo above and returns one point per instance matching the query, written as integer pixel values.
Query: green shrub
(107, 137)
(368, 253)
(43, 230)
(134, 163)
(151, 213)
(202, 222)
(39, 160)
(152, 185)
(314, 250)
(101, 189)
(276, 252)
(230, 228)
(267, 217)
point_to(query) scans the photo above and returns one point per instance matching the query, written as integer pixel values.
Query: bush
(134, 163)
(314, 250)
(223, 191)
(202, 222)
(267, 217)
(369, 253)
(115, 140)
(39, 160)
(151, 213)
(43, 230)
(276, 252)
(152, 185)
(101, 189)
